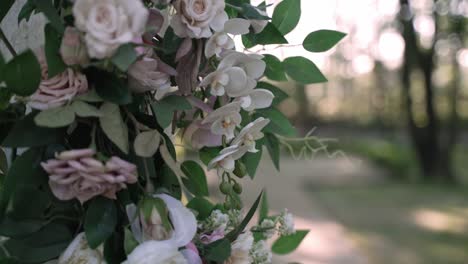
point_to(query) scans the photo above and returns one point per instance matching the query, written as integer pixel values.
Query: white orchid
(256, 99)
(236, 75)
(79, 252)
(221, 41)
(224, 119)
(250, 133)
(225, 161)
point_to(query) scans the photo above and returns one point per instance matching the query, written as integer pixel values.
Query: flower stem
(7, 43)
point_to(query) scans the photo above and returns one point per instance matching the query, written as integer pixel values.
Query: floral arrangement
(92, 119)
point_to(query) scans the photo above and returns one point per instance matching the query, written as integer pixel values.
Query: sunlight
(439, 221)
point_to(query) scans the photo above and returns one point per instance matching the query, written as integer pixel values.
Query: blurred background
(383, 178)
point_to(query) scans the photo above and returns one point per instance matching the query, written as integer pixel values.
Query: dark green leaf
(196, 179)
(263, 212)
(171, 41)
(280, 95)
(26, 11)
(47, 7)
(252, 160)
(250, 12)
(55, 117)
(100, 221)
(272, 145)
(114, 251)
(322, 40)
(274, 68)
(3, 162)
(286, 15)
(303, 70)
(269, 35)
(10, 227)
(279, 123)
(235, 233)
(164, 109)
(168, 180)
(5, 6)
(109, 87)
(5, 96)
(207, 154)
(22, 75)
(287, 244)
(53, 40)
(124, 57)
(25, 133)
(218, 251)
(202, 206)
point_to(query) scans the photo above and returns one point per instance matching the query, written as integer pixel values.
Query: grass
(402, 223)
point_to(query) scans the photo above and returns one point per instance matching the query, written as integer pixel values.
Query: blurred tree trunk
(435, 166)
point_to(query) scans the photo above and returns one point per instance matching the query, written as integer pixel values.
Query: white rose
(109, 24)
(79, 252)
(196, 18)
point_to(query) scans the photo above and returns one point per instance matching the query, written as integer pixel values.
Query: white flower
(250, 133)
(196, 18)
(79, 252)
(257, 24)
(286, 221)
(156, 252)
(224, 119)
(261, 253)
(216, 220)
(240, 249)
(183, 222)
(256, 99)
(109, 24)
(269, 226)
(226, 159)
(221, 41)
(236, 75)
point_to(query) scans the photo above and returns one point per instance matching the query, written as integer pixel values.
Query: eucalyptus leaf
(147, 143)
(56, 117)
(287, 244)
(108, 86)
(124, 57)
(269, 35)
(83, 109)
(279, 123)
(196, 181)
(53, 40)
(22, 74)
(287, 15)
(202, 206)
(90, 97)
(303, 70)
(100, 221)
(164, 109)
(252, 160)
(274, 68)
(113, 126)
(322, 40)
(250, 12)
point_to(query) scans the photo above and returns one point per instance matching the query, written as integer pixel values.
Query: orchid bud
(240, 170)
(72, 49)
(154, 217)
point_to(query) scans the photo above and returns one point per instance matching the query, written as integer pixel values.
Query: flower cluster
(129, 79)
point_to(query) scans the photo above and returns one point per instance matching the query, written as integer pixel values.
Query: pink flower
(73, 49)
(77, 174)
(58, 90)
(214, 236)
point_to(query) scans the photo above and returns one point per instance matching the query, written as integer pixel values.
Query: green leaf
(280, 95)
(90, 97)
(5, 6)
(25, 133)
(274, 68)
(287, 244)
(250, 12)
(83, 109)
(3, 162)
(207, 154)
(108, 86)
(202, 206)
(100, 221)
(124, 57)
(252, 160)
(218, 251)
(196, 179)
(168, 180)
(303, 70)
(47, 7)
(147, 143)
(322, 40)
(53, 40)
(272, 144)
(235, 233)
(5, 97)
(263, 211)
(22, 75)
(171, 42)
(26, 11)
(164, 109)
(269, 35)
(286, 15)
(130, 243)
(55, 117)
(113, 126)
(279, 123)
(14, 228)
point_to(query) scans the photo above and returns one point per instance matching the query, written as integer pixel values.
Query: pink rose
(58, 90)
(72, 49)
(77, 174)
